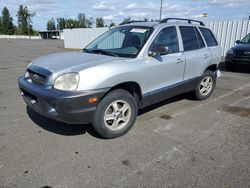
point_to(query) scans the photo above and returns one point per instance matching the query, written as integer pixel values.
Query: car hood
(72, 61)
(241, 48)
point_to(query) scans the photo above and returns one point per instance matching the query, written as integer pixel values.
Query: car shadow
(174, 99)
(245, 69)
(74, 130)
(59, 127)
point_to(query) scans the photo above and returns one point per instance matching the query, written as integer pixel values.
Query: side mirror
(159, 50)
(237, 41)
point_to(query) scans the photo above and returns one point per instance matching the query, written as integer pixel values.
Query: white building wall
(227, 32)
(79, 38)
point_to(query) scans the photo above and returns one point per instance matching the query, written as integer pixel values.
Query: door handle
(179, 61)
(206, 56)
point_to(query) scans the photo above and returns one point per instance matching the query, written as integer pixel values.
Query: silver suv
(125, 69)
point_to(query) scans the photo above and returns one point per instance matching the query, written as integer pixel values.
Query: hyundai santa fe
(127, 68)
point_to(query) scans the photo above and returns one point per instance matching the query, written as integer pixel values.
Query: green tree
(24, 20)
(1, 26)
(156, 20)
(61, 23)
(99, 22)
(125, 21)
(89, 22)
(72, 23)
(112, 24)
(51, 25)
(82, 20)
(7, 22)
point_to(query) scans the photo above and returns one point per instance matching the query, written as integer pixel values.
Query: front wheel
(206, 85)
(115, 114)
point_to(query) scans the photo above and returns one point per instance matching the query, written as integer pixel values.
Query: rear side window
(191, 38)
(167, 37)
(200, 40)
(208, 36)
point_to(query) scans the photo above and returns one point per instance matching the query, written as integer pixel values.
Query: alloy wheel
(117, 115)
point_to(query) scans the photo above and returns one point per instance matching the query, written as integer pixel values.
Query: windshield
(125, 41)
(246, 39)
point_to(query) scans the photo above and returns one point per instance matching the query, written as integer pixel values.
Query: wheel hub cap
(117, 115)
(206, 85)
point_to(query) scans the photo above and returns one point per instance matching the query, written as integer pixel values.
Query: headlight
(67, 82)
(230, 51)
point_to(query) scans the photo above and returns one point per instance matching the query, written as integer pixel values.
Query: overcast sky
(116, 10)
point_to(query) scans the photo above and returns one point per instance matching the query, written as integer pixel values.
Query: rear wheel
(206, 85)
(115, 114)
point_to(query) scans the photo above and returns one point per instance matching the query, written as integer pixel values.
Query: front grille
(242, 58)
(37, 77)
(28, 94)
(242, 53)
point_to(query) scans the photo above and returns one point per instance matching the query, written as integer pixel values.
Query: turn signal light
(92, 100)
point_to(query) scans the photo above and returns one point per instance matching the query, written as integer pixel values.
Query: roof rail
(135, 21)
(183, 19)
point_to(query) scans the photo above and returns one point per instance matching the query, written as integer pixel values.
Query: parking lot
(177, 143)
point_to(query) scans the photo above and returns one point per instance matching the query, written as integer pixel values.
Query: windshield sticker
(137, 30)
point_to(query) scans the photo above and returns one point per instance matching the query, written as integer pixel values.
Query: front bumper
(233, 59)
(67, 107)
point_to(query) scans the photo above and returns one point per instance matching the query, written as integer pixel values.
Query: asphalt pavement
(177, 143)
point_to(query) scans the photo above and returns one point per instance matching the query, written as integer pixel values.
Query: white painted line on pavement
(213, 100)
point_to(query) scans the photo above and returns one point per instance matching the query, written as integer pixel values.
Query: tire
(115, 114)
(205, 86)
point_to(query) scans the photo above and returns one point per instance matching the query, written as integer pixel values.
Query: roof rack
(183, 19)
(135, 21)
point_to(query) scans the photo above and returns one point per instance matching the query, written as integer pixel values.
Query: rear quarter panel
(215, 54)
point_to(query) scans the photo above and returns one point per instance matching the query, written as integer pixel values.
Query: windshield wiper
(101, 52)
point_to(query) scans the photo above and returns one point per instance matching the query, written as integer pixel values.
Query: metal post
(60, 39)
(29, 26)
(161, 10)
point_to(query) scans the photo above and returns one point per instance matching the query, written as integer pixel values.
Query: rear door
(212, 44)
(197, 55)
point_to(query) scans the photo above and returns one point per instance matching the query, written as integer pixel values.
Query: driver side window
(167, 37)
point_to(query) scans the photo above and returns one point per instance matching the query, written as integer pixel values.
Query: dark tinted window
(208, 36)
(200, 40)
(191, 38)
(167, 37)
(246, 39)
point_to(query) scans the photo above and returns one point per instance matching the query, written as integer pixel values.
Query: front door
(165, 71)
